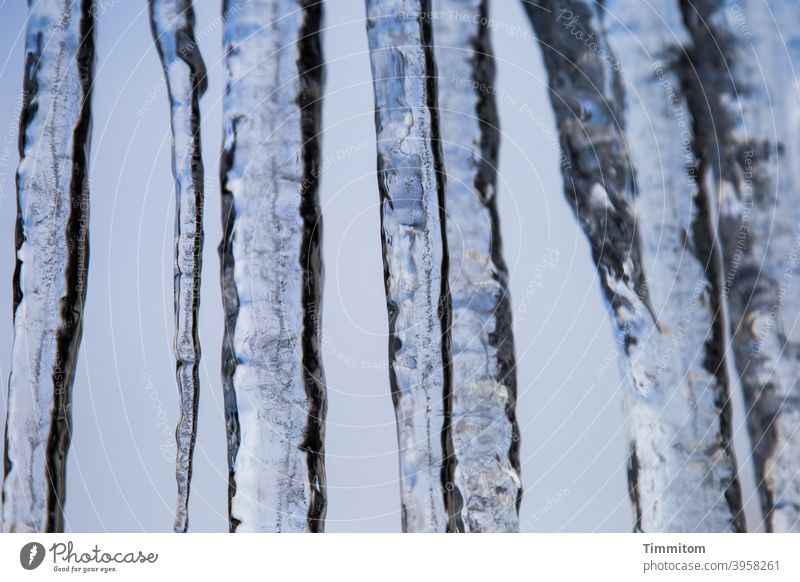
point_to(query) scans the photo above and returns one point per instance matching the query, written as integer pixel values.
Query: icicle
(742, 67)
(483, 422)
(415, 254)
(687, 413)
(271, 268)
(661, 270)
(52, 245)
(172, 23)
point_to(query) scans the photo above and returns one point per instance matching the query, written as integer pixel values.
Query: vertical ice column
(52, 252)
(411, 187)
(172, 23)
(742, 66)
(664, 299)
(482, 419)
(686, 469)
(271, 267)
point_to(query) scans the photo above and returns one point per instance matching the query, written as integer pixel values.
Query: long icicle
(52, 253)
(740, 64)
(483, 421)
(686, 464)
(172, 24)
(271, 265)
(682, 473)
(411, 187)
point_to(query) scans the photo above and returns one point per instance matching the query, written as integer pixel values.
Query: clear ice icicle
(172, 23)
(682, 473)
(742, 62)
(271, 266)
(411, 188)
(482, 420)
(52, 253)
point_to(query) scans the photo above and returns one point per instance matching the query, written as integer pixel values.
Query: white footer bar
(410, 558)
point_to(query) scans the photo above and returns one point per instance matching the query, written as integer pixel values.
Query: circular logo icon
(31, 555)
